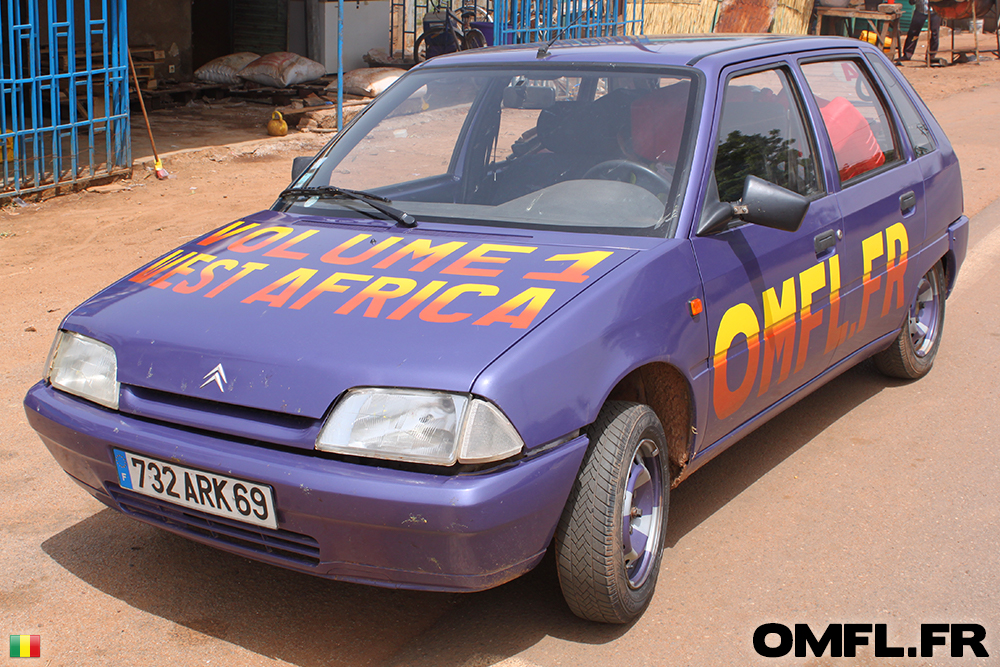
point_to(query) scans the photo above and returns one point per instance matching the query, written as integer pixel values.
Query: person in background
(920, 15)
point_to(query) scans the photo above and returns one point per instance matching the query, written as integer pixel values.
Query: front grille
(293, 547)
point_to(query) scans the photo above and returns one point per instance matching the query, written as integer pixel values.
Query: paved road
(871, 501)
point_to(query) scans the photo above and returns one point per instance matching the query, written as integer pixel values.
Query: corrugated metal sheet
(260, 26)
(745, 15)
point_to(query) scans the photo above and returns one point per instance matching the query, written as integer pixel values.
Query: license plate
(207, 492)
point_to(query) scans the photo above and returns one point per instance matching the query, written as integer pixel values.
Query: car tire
(609, 541)
(912, 354)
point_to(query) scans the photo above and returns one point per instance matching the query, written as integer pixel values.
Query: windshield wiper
(375, 201)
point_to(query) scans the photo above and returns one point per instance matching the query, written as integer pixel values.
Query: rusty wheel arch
(665, 389)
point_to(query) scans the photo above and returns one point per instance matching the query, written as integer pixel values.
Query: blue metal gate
(525, 21)
(64, 92)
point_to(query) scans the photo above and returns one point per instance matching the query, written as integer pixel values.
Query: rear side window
(913, 123)
(761, 133)
(856, 120)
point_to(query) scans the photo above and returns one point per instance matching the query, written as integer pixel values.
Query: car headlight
(84, 367)
(418, 426)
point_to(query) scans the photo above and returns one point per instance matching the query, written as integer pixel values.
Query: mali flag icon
(26, 646)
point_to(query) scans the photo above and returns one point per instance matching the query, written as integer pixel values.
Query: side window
(856, 120)
(913, 123)
(761, 133)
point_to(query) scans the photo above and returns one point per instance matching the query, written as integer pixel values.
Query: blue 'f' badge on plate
(124, 479)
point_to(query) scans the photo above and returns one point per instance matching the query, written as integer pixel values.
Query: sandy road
(871, 501)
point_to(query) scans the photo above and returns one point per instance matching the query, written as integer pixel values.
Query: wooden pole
(314, 30)
(975, 29)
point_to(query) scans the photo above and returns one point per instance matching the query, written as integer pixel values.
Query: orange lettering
(421, 248)
(378, 296)
(416, 300)
(275, 232)
(575, 272)
(282, 250)
(207, 276)
(329, 285)
(294, 280)
(533, 299)
(161, 265)
(184, 268)
(333, 257)
(228, 231)
(248, 268)
(461, 266)
(432, 313)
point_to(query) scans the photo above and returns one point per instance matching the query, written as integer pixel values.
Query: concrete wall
(165, 24)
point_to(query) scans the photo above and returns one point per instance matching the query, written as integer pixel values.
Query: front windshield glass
(588, 149)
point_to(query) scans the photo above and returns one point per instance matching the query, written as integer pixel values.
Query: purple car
(521, 297)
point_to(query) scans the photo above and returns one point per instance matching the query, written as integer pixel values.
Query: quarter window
(916, 127)
(761, 133)
(859, 128)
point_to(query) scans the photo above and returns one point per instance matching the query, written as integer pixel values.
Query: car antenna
(544, 49)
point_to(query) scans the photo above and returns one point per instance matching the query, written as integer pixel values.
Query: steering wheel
(627, 171)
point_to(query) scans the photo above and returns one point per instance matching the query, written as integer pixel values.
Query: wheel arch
(665, 389)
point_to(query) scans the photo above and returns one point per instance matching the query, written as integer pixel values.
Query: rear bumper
(338, 520)
(958, 245)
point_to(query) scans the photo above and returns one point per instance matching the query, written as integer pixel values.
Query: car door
(767, 291)
(881, 196)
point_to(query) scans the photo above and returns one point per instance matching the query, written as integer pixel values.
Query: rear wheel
(610, 538)
(912, 354)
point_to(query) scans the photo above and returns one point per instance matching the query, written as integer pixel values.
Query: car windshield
(593, 149)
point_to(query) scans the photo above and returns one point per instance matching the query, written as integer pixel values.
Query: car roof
(707, 51)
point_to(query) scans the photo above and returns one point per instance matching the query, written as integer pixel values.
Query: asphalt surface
(871, 501)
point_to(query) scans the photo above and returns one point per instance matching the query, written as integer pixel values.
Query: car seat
(854, 144)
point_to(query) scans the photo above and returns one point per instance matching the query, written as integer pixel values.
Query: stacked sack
(279, 70)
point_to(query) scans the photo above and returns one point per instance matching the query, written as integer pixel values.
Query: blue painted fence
(63, 93)
(525, 21)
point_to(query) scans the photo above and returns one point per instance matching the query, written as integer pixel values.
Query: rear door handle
(907, 202)
(826, 240)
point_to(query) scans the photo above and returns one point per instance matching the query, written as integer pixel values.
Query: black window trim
(916, 108)
(741, 69)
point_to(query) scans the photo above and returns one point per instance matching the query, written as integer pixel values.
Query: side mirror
(763, 203)
(299, 165)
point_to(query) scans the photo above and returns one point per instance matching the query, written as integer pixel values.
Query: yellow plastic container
(871, 37)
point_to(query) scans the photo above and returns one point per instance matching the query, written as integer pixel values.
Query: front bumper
(339, 520)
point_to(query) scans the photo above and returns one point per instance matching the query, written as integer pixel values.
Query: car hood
(283, 313)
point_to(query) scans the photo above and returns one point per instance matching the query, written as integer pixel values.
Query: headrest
(658, 122)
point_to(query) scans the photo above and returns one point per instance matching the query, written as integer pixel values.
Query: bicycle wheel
(473, 39)
(419, 49)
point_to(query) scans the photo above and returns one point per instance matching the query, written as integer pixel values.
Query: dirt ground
(56, 253)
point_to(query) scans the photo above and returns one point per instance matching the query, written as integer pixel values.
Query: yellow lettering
(740, 320)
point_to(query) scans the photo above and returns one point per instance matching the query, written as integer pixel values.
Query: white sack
(282, 69)
(224, 69)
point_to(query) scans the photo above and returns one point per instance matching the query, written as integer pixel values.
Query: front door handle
(907, 202)
(826, 240)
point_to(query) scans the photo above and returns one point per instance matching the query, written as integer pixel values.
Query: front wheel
(609, 540)
(912, 354)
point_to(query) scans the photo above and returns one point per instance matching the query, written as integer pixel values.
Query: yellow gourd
(277, 127)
